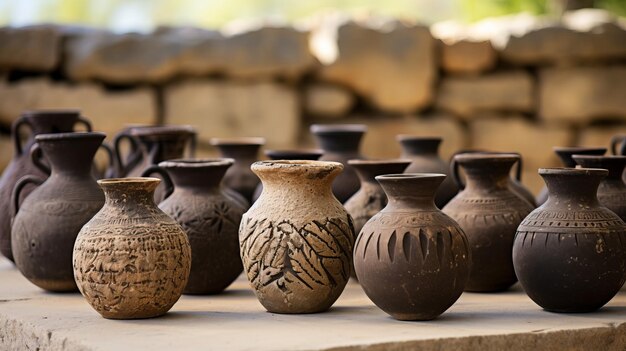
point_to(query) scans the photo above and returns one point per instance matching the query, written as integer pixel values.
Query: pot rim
(487, 156)
(579, 148)
(129, 180)
(338, 128)
(238, 141)
(403, 137)
(399, 176)
(149, 130)
(196, 162)
(573, 171)
(295, 151)
(598, 157)
(295, 165)
(381, 161)
(51, 112)
(70, 135)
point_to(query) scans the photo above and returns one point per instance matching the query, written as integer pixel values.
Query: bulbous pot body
(131, 260)
(239, 177)
(411, 259)
(612, 190)
(296, 240)
(570, 253)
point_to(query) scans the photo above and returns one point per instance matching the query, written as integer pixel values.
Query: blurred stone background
(511, 83)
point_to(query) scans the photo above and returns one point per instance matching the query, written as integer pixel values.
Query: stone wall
(510, 84)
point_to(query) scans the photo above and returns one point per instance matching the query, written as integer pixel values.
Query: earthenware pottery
(612, 190)
(618, 147)
(244, 151)
(411, 259)
(312, 154)
(424, 154)
(209, 217)
(45, 225)
(131, 260)
(570, 253)
(340, 143)
(296, 240)
(565, 155)
(39, 122)
(489, 212)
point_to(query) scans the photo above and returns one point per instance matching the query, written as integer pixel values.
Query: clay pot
(47, 222)
(570, 253)
(296, 240)
(612, 190)
(424, 154)
(565, 155)
(209, 217)
(340, 143)
(244, 151)
(489, 211)
(313, 154)
(411, 259)
(131, 260)
(39, 122)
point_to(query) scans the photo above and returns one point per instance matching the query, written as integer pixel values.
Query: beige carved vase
(131, 260)
(296, 240)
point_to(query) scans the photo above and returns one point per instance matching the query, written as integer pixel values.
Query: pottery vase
(489, 212)
(612, 190)
(296, 240)
(570, 254)
(47, 222)
(131, 260)
(411, 259)
(244, 151)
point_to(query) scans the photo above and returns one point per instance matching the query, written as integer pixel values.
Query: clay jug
(131, 260)
(312, 154)
(424, 154)
(340, 143)
(489, 211)
(565, 155)
(612, 190)
(209, 217)
(296, 240)
(47, 222)
(39, 122)
(411, 259)
(244, 151)
(570, 253)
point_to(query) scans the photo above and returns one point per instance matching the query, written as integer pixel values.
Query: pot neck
(161, 148)
(205, 176)
(240, 152)
(411, 191)
(129, 192)
(368, 170)
(614, 164)
(579, 185)
(566, 153)
(297, 178)
(70, 154)
(46, 123)
(339, 141)
(487, 173)
(416, 146)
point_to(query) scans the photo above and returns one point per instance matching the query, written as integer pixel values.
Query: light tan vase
(297, 239)
(131, 260)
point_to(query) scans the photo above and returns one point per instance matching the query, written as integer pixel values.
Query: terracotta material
(489, 212)
(612, 190)
(209, 217)
(424, 154)
(47, 222)
(570, 253)
(341, 143)
(131, 260)
(297, 239)
(244, 151)
(39, 122)
(411, 259)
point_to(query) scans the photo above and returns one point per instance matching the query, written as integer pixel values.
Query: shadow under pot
(411, 259)
(39, 122)
(209, 216)
(612, 190)
(153, 277)
(46, 224)
(570, 253)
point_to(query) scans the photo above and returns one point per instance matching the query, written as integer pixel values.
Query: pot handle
(518, 170)
(616, 140)
(169, 185)
(17, 190)
(84, 121)
(15, 133)
(134, 144)
(454, 166)
(193, 144)
(36, 157)
(110, 170)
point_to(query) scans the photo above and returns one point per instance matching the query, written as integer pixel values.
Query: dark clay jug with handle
(244, 151)
(612, 190)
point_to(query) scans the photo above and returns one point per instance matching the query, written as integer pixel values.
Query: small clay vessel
(47, 222)
(340, 143)
(424, 154)
(312, 154)
(39, 122)
(131, 260)
(244, 151)
(209, 217)
(612, 190)
(489, 211)
(565, 155)
(411, 259)
(296, 240)
(570, 253)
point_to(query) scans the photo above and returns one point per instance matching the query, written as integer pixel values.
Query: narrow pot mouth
(574, 171)
(129, 180)
(196, 162)
(70, 135)
(487, 156)
(409, 137)
(296, 165)
(579, 149)
(238, 141)
(51, 112)
(338, 128)
(374, 162)
(148, 130)
(401, 176)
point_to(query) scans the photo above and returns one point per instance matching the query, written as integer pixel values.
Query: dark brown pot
(39, 122)
(411, 259)
(612, 190)
(47, 222)
(313, 155)
(209, 217)
(570, 253)
(489, 212)
(340, 143)
(244, 151)
(565, 155)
